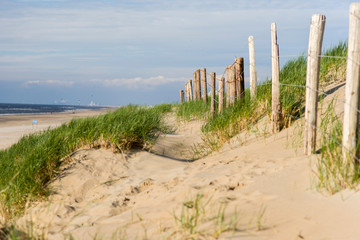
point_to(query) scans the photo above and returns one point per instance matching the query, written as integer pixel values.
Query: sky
(143, 51)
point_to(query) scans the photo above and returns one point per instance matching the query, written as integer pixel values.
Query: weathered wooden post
(351, 115)
(275, 102)
(239, 77)
(312, 80)
(232, 82)
(227, 86)
(186, 92)
(204, 83)
(181, 96)
(197, 85)
(239, 63)
(190, 90)
(212, 93)
(253, 80)
(221, 94)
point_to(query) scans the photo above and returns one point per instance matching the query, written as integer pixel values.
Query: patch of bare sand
(266, 186)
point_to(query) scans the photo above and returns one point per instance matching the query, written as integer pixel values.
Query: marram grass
(27, 167)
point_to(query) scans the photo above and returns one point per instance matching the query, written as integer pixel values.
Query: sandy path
(266, 187)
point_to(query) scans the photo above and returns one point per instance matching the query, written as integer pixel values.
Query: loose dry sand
(266, 186)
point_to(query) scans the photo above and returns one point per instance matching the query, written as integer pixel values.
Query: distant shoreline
(13, 127)
(15, 109)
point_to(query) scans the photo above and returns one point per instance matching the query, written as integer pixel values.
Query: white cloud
(138, 82)
(55, 83)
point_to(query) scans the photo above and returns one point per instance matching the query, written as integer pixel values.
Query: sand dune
(260, 186)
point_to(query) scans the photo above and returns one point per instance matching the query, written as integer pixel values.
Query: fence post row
(253, 80)
(312, 81)
(275, 102)
(212, 93)
(221, 94)
(204, 83)
(351, 115)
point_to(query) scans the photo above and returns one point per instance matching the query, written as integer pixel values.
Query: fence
(235, 84)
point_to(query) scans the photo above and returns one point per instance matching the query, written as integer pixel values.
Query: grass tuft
(333, 172)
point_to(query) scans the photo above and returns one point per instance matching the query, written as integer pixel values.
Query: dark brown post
(181, 96)
(240, 83)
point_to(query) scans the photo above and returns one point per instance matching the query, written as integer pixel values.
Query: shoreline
(13, 127)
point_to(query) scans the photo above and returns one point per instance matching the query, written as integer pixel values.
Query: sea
(19, 108)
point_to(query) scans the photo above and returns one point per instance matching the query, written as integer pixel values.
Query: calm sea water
(14, 108)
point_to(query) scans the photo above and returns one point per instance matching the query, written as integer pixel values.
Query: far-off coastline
(15, 126)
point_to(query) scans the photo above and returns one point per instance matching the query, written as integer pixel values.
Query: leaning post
(312, 80)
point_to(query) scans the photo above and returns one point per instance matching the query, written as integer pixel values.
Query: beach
(13, 127)
(257, 186)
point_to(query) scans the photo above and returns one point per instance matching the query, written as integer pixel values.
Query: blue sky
(143, 51)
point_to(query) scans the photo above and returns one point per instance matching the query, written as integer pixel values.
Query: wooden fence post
(253, 79)
(204, 85)
(240, 84)
(191, 96)
(212, 93)
(181, 96)
(312, 80)
(197, 85)
(221, 94)
(351, 115)
(275, 102)
(227, 86)
(230, 74)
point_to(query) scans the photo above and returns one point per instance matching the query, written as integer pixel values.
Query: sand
(13, 127)
(262, 186)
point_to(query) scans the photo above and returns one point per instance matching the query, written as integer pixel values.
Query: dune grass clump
(193, 110)
(27, 167)
(333, 172)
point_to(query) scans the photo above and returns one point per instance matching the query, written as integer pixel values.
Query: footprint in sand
(84, 189)
(119, 206)
(133, 190)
